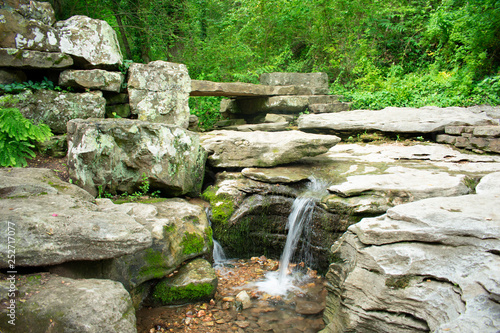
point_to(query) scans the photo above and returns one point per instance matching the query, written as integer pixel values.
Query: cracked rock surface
(430, 265)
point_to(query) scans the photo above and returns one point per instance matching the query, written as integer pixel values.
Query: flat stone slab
(92, 79)
(240, 89)
(283, 175)
(318, 82)
(263, 149)
(56, 222)
(265, 127)
(10, 57)
(394, 120)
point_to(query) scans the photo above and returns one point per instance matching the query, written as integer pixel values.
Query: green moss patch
(191, 292)
(192, 243)
(222, 206)
(155, 265)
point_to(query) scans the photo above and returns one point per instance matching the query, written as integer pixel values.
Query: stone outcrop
(159, 92)
(28, 59)
(49, 303)
(117, 154)
(196, 281)
(55, 108)
(429, 265)
(480, 138)
(96, 79)
(92, 43)
(58, 223)
(394, 120)
(317, 82)
(263, 149)
(180, 231)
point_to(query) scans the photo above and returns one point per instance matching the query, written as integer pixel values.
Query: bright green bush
(17, 135)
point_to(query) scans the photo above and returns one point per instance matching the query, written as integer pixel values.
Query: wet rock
(29, 59)
(41, 208)
(92, 43)
(55, 304)
(55, 108)
(245, 300)
(195, 281)
(96, 79)
(395, 120)
(159, 92)
(117, 153)
(432, 260)
(308, 308)
(263, 149)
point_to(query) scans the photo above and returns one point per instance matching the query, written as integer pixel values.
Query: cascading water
(279, 283)
(218, 255)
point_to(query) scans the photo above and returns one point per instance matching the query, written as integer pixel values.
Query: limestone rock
(432, 260)
(42, 210)
(159, 92)
(55, 108)
(244, 299)
(91, 42)
(281, 104)
(33, 10)
(240, 89)
(25, 33)
(396, 120)
(329, 108)
(10, 57)
(180, 232)
(55, 304)
(116, 153)
(56, 146)
(195, 281)
(92, 79)
(263, 149)
(317, 82)
(267, 127)
(489, 184)
(281, 175)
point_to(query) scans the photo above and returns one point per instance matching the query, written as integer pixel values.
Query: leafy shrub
(17, 135)
(207, 109)
(17, 87)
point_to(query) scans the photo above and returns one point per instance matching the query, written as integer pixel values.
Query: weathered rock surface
(57, 222)
(8, 76)
(240, 89)
(20, 29)
(116, 153)
(429, 265)
(263, 149)
(266, 127)
(395, 120)
(92, 43)
(159, 92)
(33, 10)
(10, 57)
(195, 281)
(282, 175)
(55, 108)
(281, 104)
(317, 82)
(56, 145)
(49, 303)
(180, 231)
(92, 79)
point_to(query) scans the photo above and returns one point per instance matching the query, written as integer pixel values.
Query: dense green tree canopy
(381, 49)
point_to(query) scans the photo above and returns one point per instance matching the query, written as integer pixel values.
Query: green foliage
(191, 292)
(222, 206)
(17, 87)
(17, 135)
(207, 109)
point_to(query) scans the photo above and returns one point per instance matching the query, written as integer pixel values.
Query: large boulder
(195, 281)
(428, 119)
(92, 43)
(27, 25)
(317, 82)
(55, 108)
(92, 79)
(119, 155)
(180, 232)
(57, 222)
(429, 265)
(10, 57)
(159, 92)
(49, 303)
(263, 149)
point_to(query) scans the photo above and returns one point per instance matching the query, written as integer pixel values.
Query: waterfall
(218, 254)
(300, 215)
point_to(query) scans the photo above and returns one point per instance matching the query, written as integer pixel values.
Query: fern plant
(17, 135)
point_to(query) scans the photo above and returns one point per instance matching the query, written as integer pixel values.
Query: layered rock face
(120, 154)
(430, 265)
